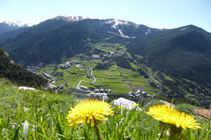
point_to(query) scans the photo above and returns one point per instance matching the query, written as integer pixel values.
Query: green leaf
(25, 129)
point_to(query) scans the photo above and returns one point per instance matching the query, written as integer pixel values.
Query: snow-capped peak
(18, 23)
(71, 18)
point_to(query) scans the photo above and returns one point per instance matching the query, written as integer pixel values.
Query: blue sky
(153, 13)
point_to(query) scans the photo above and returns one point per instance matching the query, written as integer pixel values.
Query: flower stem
(97, 132)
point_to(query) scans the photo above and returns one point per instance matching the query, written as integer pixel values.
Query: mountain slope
(50, 46)
(182, 52)
(17, 74)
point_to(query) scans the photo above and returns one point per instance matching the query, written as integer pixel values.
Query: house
(144, 93)
(95, 56)
(138, 91)
(60, 87)
(154, 96)
(106, 90)
(97, 95)
(97, 91)
(48, 76)
(134, 94)
(84, 88)
(33, 69)
(102, 91)
(74, 62)
(111, 54)
(106, 55)
(78, 65)
(65, 65)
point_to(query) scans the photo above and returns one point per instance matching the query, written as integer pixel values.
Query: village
(97, 93)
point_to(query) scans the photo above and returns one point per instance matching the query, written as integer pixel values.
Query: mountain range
(67, 36)
(6, 26)
(182, 53)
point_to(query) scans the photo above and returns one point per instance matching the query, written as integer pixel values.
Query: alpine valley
(170, 63)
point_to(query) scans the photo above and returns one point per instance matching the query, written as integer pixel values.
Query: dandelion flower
(120, 107)
(135, 105)
(168, 115)
(88, 111)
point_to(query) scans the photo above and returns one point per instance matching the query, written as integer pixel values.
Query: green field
(117, 79)
(116, 87)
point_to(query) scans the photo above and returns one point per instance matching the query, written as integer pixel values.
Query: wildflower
(157, 112)
(176, 118)
(42, 95)
(88, 111)
(136, 105)
(120, 107)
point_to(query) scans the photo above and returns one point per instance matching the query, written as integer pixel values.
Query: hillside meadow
(42, 115)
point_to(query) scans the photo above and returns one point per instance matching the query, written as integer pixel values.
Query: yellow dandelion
(120, 107)
(158, 111)
(89, 111)
(168, 115)
(135, 105)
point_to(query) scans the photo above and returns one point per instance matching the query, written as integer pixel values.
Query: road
(78, 86)
(93, 76)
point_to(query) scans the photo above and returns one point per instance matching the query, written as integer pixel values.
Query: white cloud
(163, 27)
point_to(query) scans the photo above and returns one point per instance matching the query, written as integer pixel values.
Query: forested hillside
(17, 75)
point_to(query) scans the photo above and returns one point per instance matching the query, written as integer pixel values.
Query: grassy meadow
(41, 115)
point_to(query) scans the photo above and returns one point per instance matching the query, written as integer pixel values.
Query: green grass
(30, 115)
(116, 87)
(148, 88)
(5, 82)
(139, 83)
(133, 66)
(88, 85)
(108, 51)
(98, 73)
(168, 78)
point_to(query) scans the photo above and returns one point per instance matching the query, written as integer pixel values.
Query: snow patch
(116, 22)
(148, 31)
(72, 18)
(122, 34)
(183, 29)
(18, 23)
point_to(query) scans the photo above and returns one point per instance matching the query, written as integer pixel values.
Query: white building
(95, 56)
(84, 88)
(125, 103)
